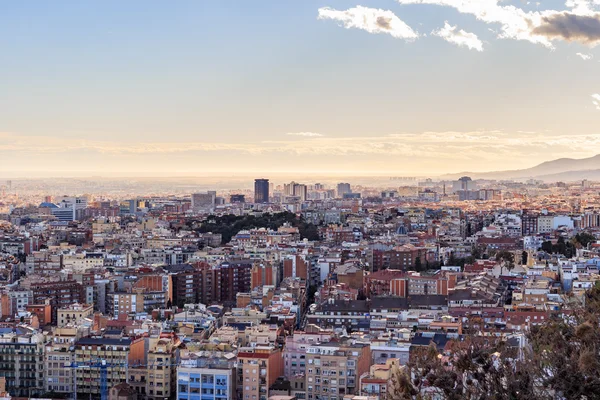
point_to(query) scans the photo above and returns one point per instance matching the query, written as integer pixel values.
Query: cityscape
(300, 200)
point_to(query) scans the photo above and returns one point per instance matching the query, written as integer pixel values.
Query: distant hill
(567, 169)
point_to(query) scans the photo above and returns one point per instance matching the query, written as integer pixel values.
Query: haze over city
(389, 86)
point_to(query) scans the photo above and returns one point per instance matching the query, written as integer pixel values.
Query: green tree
(418, 264)
(506, 260)
(547, 246)
(585, 238)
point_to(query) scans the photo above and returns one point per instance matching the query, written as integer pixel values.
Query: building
(69, 208)
(22, 362)
(58, 357)
(74, 314)
(204, 202)
(94, 354)
(294, 352)
(294, 189)
(60, 294)
(124, 303)
(258, 368)
(207, 379)
(156, 378)
(122, 392)
(342, 189)
(237, 199)
(261, 190)
(333, 369)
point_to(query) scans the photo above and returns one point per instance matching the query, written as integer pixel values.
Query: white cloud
(459, 37)
(596, 100)
(579, 24)
(584, 56)
(371, 20)
(306, 134)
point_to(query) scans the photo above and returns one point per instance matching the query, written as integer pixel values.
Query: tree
(547, 246)
(524, 258)
(418, 264)
(584, 239)
(506, 260)
(564, 354)
(560, 362)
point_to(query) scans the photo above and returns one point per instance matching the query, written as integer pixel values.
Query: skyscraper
(261, 190)
(342, 189)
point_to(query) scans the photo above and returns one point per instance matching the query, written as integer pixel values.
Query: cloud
(458, 37)
(596, 100)
(579, 24)
(305, 134)
(570, 27)
(371, 20)
(584, 56)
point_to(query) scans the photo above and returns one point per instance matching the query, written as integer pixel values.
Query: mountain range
(562, 169)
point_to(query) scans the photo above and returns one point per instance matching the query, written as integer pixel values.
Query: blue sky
(187, 87)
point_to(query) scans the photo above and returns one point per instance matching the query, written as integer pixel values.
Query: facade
(261, 191)
(333, 369)
(22, 363)
(213, 382)
(74, 314)
(342, 189)
(258, 368)
(124, 303)
(58, 358)
(116, 354)
(204, 201)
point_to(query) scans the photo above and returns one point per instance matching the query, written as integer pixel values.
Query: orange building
(259, 367)
(295, 267)
(43, 312)
(263, 274)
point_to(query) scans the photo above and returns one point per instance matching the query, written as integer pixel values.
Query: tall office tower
(343, 188)
(261, 190)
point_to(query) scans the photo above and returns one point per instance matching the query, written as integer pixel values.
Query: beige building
(82, 262)
(74, 314)
(58, 356)
(333, 369)
(155, 378)
(124, 303)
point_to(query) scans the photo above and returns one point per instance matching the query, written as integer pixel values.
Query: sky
(381, 87)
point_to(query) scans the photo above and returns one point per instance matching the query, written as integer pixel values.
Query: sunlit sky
(403, 87)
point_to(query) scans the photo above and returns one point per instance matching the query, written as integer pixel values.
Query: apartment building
(207, 378)
(124, 303)
(59, 356)
(155, 378)
(294, 352)
(258, 368)
(116, 354)
(22, 362)
(333, 369)
(74, 314)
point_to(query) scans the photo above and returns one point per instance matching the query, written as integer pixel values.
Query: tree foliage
(506, 260)
(229, 225)
(561, 361)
